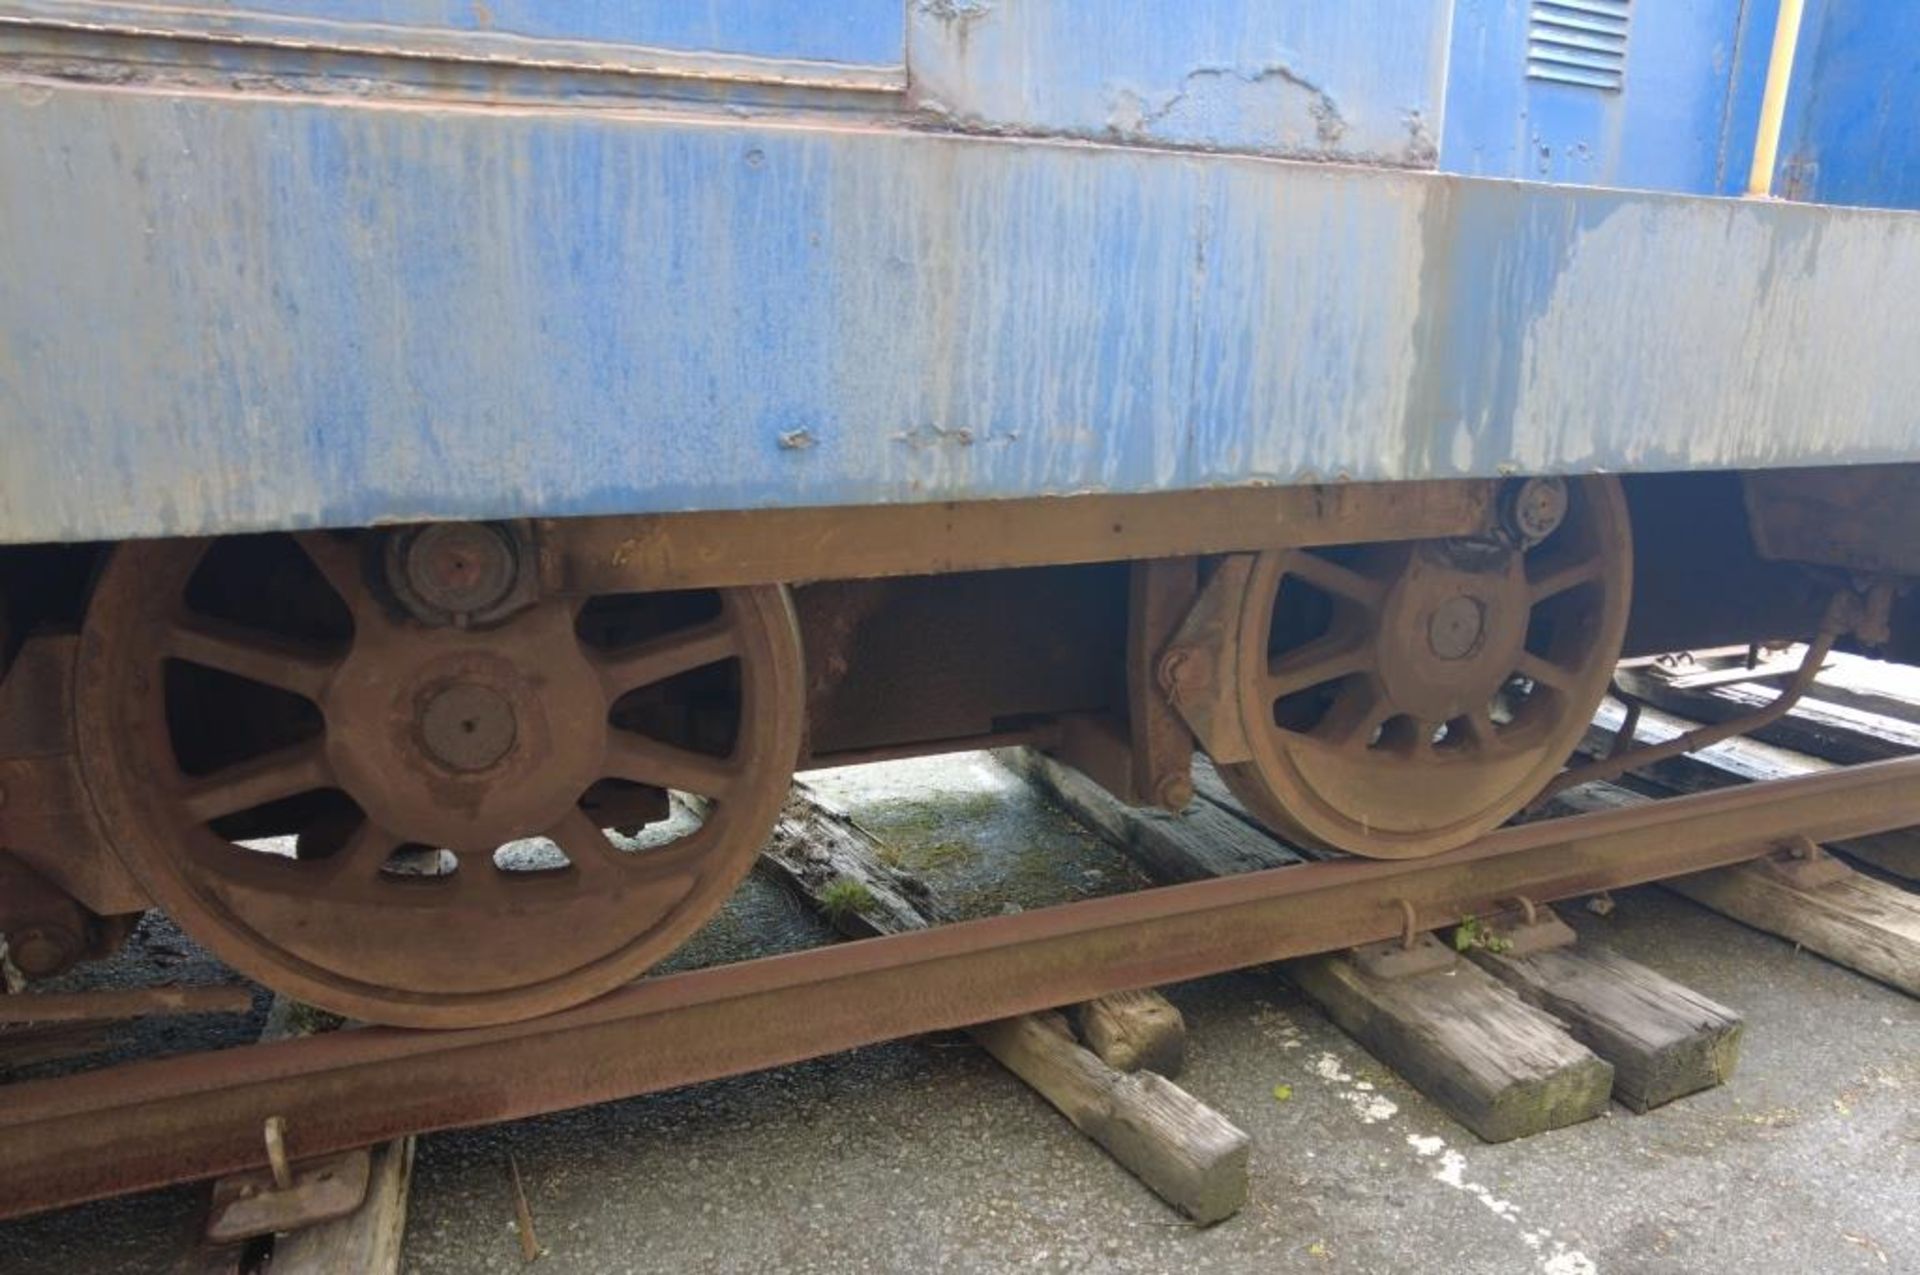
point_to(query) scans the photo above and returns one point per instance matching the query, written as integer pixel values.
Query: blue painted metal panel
(868, 32)
(1360, 79)
(330, 311)
(1853, 120)
(1655, 96)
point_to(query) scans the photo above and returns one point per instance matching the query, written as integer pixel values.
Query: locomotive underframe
(933, 628)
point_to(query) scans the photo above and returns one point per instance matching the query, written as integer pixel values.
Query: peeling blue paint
(347, 313)
(1066, 259)
(1306, 80)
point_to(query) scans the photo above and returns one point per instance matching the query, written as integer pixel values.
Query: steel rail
(148, 1124)
(96, 1007)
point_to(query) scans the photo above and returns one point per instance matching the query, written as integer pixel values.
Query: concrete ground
(925, 1155)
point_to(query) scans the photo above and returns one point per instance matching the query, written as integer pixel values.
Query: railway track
(149, 1124)
(436, 640)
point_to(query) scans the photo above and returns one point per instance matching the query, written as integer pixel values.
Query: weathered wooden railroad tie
(1523, 1031)
(1115, 1089)
(1806, 893)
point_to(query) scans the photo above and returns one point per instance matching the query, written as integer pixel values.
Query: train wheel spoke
(286, 772)
(588, 848)
(363, 854)
(1330, 576)
(1322, 660)
(1563, 579)
(668, 656)
(1544, 672)
(1474, 731)
(255, 656)
(1355, 717)
(643, 760)
(1424, 737)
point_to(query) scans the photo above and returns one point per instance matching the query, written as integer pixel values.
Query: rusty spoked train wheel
(429, 824)
(1407, 697)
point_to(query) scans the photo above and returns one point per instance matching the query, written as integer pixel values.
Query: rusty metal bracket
(1847, 612)
(1803, 864)
(286, 1196)
(1159, 593)
(1395, 958)
(1145, 757)
(1199, 670)
(48, 931)
(1629, 722)
(1530, 928)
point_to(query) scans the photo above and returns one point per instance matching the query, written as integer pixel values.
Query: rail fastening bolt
(1174, 793)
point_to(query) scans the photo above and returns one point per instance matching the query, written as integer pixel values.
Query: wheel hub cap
(1449, 634)
(467, 726)
(1454, 628)
(467, 740)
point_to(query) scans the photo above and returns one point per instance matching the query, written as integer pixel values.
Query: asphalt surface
(925, 1155)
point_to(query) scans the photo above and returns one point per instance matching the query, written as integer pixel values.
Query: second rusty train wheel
(1404, 698)
(416, 822)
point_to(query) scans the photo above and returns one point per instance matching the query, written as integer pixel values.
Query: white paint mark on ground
(1370, 1106)
(1451, 1170)
(1328, 1067)
(1447, 1166)
(1276, 1028)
